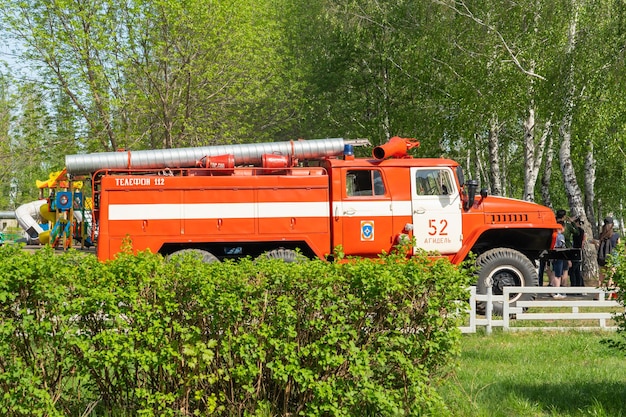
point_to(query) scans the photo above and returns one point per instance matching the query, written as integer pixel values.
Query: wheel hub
(504, 278)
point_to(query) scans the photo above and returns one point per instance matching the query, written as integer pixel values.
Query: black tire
(203, 255)
(504, 267)
(287, 255)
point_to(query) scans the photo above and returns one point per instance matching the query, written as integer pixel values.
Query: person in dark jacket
(578, 239)
(606, 244)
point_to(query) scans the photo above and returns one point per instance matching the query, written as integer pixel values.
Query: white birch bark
(572, 190)
(479, 155)
(530, 175)
(494, 157)
(590, 180)
(547, 172)
(533, 152)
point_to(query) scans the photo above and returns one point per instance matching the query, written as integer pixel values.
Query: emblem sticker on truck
(367, 230)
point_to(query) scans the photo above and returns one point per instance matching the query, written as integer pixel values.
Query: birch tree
(535, 139)
(547, 173)
(533, 152)
(498, 42)
(494, 156)
(589, 57)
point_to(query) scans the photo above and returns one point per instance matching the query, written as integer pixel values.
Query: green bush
(37, 369)
(616, 279)
(141, 335)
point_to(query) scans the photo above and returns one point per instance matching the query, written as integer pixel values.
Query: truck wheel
(203, 255)
(501, 268)
(287, 255)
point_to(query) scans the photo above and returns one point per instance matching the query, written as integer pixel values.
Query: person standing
(545, 267)
(558, 265)
(578, 239)
(606, 244)
(569, 232)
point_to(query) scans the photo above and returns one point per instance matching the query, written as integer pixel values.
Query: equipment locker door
(436, 210)
(365, 212)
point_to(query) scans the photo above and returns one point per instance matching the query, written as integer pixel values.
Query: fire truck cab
(376, 202)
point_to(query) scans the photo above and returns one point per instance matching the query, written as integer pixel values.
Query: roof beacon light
(348, 152)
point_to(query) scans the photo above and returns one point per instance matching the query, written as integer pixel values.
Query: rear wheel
(504, 267)
(203, 255)
(287, 255)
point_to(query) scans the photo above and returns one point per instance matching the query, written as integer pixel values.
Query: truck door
(436, 208)
(364, 212)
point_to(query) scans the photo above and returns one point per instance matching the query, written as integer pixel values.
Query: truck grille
(509, 218)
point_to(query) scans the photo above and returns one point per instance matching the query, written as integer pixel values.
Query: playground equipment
(26, 216)
(64, 210)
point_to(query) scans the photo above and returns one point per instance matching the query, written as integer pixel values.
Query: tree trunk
(494, 158)
(481, 175)
(572, 190)
(530, 174)
(547, 172)
(590, 179)
(574, 195)
(533, 152)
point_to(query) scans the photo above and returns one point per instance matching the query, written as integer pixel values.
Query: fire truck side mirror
(472, 186)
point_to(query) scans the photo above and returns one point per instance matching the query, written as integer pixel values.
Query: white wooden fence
(597, 311)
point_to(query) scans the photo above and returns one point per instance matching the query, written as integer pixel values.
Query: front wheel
(504, 267)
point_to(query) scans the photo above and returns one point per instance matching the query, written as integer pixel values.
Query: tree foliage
(154, 74)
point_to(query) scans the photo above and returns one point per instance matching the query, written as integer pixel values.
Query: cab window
(435, 182)
(366, 182)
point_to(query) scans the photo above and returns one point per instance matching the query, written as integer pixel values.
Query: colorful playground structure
(61, 217)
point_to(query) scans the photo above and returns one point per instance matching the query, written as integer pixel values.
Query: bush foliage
(142, 335)
(616, 279)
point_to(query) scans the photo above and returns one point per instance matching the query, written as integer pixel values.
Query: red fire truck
(288, 199)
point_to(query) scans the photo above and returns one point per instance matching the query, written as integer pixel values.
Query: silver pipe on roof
(244, 154)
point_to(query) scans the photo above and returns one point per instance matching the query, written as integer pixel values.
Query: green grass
(537, 374)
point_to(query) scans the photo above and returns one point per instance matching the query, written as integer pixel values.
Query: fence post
(505, 308)
(489, 309)
(472, 323)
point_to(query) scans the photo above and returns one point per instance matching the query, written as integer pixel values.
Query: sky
(9, 62)
(4, 53)
(7, 58)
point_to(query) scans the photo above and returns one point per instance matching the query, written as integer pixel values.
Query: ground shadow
(571, 398)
